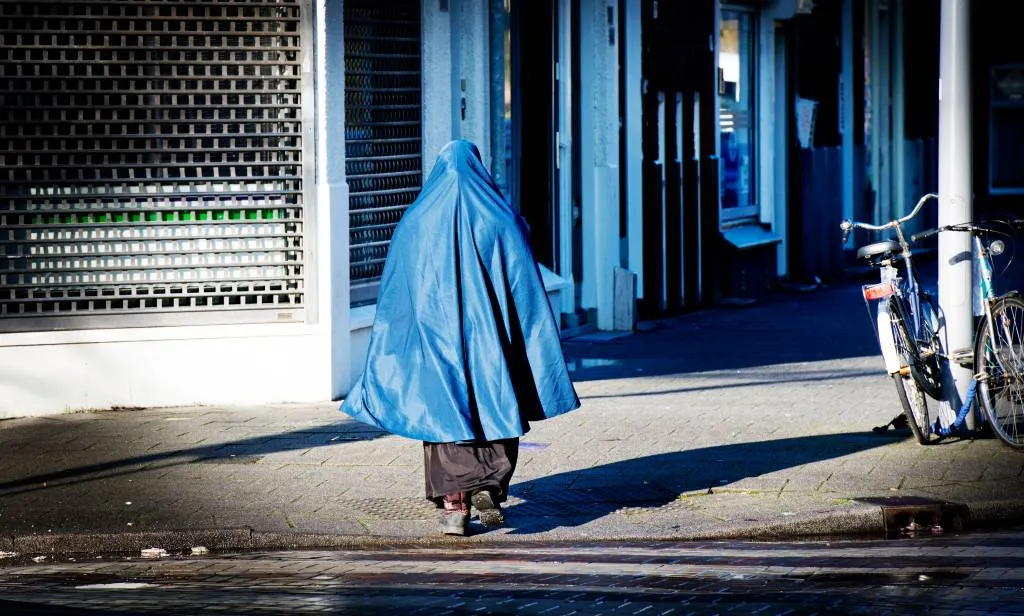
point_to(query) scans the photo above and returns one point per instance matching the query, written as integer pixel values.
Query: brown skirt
(468, 467)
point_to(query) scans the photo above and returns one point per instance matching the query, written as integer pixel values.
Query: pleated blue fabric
(464, 345)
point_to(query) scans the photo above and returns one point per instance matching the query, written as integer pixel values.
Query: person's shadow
(573, 498)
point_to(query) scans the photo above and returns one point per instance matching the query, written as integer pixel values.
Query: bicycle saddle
(871, 251)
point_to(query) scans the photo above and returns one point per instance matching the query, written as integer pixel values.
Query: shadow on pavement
(237, 451)
(827, 323)
(753, 378)
(577, 497)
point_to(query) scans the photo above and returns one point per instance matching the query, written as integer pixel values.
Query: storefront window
(736, 113)
(1006, 130)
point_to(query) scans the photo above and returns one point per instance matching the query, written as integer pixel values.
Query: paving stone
(749, 400)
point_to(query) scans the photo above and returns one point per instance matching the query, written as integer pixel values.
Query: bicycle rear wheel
(915, 409)
(999, 362)
(919, 353)
(912, 398)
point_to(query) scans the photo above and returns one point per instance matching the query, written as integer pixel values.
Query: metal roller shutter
(383, 129)
(153, 162)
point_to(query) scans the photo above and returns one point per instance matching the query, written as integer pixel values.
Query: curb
(868, 523)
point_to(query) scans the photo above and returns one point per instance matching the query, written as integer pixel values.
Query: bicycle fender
(885, 339)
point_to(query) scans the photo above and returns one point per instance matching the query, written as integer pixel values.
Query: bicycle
(996, 356)
(906, 321)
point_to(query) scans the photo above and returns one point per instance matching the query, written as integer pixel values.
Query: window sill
(750, 236)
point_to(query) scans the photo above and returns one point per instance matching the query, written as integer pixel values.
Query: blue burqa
(464, 345)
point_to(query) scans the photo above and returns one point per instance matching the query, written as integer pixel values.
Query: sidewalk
(749, 422)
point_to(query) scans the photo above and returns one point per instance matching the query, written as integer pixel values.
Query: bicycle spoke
(915, 407)
(1003, 371)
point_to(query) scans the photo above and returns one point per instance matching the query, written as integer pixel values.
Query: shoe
(455, 522)
(487, 509)
(455, 518)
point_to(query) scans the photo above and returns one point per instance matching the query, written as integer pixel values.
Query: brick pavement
(752, 422)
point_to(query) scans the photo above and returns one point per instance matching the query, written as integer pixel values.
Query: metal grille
(383, 132)
(152, 162)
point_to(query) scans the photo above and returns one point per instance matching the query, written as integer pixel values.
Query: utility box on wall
(751, 261)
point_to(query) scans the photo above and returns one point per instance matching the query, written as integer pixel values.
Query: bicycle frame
(984, 294)
(892, 284)
(982, 288)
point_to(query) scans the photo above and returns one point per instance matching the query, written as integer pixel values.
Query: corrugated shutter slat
(383, 129)
(152, 162)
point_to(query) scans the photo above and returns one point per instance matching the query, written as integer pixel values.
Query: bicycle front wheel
(911, 396)
(999, 363)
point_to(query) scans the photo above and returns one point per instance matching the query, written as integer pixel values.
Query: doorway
(544, 172)
(535, 117)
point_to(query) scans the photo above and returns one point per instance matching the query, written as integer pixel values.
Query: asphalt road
(968, 574)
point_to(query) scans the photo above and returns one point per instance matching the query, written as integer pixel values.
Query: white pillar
(497, 27)
(599, 150)
(955, 264)
(440, 107)
(566, 161)
(471, 78)
(633, 117)
(332, 195)
(767, 134)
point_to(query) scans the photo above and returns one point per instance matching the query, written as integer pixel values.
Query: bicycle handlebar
(926, 234)
(849, 225)
(965, 227)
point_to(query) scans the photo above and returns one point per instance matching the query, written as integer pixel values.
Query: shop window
(736, 117)
(1006, 130)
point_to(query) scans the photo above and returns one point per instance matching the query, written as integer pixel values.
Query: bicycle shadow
(577, 497)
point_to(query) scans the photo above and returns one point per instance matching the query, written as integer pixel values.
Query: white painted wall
(599, 156)
(52, 372)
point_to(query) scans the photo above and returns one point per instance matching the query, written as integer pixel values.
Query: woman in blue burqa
(464, 352)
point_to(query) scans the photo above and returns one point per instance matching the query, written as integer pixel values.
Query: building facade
(197, 197)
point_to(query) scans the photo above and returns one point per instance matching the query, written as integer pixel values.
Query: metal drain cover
(909, 514)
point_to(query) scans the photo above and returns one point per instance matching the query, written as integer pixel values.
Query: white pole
(955, 264)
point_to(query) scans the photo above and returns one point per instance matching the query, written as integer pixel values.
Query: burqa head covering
(464, 345)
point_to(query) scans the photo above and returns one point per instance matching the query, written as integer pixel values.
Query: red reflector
(878, 291)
